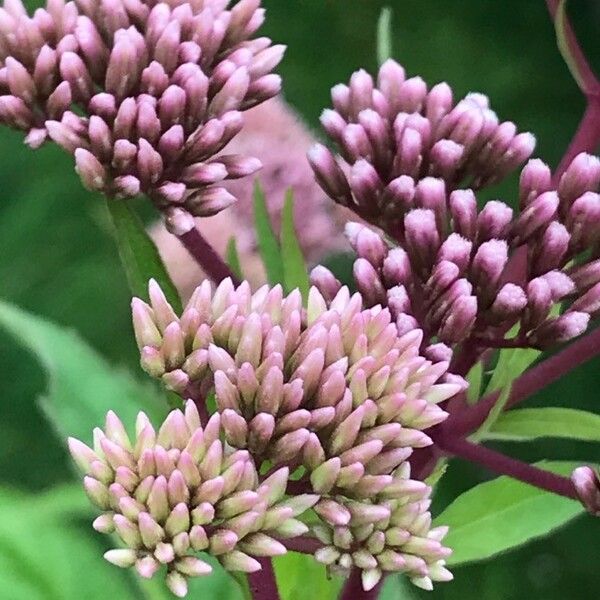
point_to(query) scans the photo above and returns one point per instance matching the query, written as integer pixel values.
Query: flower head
(332, 389)
(587, 485)
(450, 272)
(391, 533)
(395, 132)
(160, 86)
(181, 490)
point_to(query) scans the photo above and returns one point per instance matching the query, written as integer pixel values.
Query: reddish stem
(505, 465)
(206, 256)
(263, 585)
(471, 418)
(353, 589)
(586, 78)
(302, 544)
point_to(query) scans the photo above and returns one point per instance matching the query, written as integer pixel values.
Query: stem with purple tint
(263, 585)
(470, 418)
(206, 256)
(505, 465)
(353, 589)
(587, 137)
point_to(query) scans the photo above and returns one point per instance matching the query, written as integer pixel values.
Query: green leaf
(295, 274)
(139, 255)
(475, 379)
(511, 363)
(384, 35)
(233, 258)
(82, 386)
(502, 514)
(524, 424)
(268, 244)
(44, 553)
(301, 577)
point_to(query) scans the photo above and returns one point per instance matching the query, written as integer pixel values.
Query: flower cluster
(160, 87)
(181, 490)
(453, 273)
(394, 134)
(455, 286)
(587, 484)
(332, 389)
(393, 534)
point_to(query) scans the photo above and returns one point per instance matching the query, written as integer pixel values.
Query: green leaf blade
(233, 258)
(82, 386)
(502, 514)
(139, 255)
(268, 244)
(295, 274)
(384, 35)
(526, 424)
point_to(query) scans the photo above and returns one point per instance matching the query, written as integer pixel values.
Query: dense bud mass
(332, 389)
(144, 94)
(395, 132)
(179, 491)
(451, 273)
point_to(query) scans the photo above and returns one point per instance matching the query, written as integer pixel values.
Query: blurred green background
(58, 260)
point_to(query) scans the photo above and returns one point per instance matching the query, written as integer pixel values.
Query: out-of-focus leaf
(398, 587)
(295, 274)
(82, 386)
(44, 553)
(268, 245)
(139, 255)
(384, 35)
(524, 424)
(501, 514)
(301, 577)
(233, 258)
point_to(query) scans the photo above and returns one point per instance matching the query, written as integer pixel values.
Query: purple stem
(302, 544)
(586, 78)
(505, 465)
(470, 418)
(263, 585)
(353, 589)
(206, 256)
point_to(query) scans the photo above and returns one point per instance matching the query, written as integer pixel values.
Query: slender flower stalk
(502, 464)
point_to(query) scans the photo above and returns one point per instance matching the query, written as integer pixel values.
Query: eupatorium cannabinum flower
(392, 534)
(393, 133)
(332, 388)
(144, 94)
(179, 491)
(450, 272)
(587, 484)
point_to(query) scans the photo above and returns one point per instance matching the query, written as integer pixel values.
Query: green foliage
(502, 514)
(525, 424)
(295, 274)
(384, 35)
(233, 258)
(475, 379)
(268, 245)
(139, 255)
(301, 577)
(44, 553)
(82, 386)
(511, 363)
